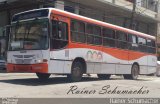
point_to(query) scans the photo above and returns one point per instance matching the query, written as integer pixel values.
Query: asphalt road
(24, 85)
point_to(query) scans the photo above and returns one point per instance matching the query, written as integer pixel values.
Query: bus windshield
(29, 35)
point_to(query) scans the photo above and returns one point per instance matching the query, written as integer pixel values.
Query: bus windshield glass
(29, 35)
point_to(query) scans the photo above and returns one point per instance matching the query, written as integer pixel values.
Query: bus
(51, 41)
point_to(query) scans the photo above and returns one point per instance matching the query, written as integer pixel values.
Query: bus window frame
(131, 43)
(114, 38)
(117, 40)
(94, 35)
(72, 31)
(142, 45)
(52, 38)
(153, 47)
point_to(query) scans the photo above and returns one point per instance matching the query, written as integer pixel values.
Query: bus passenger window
(93, 34)
(108, 37)
(142, 44)
(78, 31)
(151, 43)
(121, 40)
(90, 39)
(89, 29)
(59, 38)
(141, 41)
(132, 42)
(97, 30)
(97, 35)
(151, 46)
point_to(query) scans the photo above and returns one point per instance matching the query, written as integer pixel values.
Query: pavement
(27, 85)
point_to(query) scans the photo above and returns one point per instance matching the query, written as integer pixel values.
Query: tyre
(104, 76)
(134, 73)
(126, 76)
(76, 72)
(43, 76)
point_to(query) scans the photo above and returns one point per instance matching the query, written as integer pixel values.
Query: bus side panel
(90, 67)
(141, 59)
(116, 61)
(109, 62)
(56, 66)
(152, 63)
(91, 54)
(59, 62)
(97, 58)
(108, 68)
(123, 66)
(143, 65)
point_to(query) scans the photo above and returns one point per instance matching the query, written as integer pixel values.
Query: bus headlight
(39, 61)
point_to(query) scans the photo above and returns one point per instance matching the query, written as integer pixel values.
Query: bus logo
(94, 55)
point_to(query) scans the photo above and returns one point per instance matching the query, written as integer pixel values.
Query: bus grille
(23, 56)
(23, 61)
(18, 56)
(28, 56)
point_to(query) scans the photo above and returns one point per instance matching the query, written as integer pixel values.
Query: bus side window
(121, 40)
(93, 33)
(89, 33)
(62, 31)
(142, 44)
(132, 42)
(108, 37)
(59, 38)
(78, 31)
(97, 35)
(151, 46)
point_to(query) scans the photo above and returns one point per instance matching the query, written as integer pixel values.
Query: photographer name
(107, 90)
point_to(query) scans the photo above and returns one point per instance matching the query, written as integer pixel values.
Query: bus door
(59, 40)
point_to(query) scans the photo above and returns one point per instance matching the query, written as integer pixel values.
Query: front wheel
(134, 73)
(104, 76)
(43, 76)
(76, 72)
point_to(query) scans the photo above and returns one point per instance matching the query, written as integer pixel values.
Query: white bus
(51, 41)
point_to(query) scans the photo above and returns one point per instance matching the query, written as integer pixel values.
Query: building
(118, 12)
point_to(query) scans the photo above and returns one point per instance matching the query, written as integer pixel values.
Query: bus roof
(93, 21)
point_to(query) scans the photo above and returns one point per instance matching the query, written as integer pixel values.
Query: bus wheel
(127, 76)
(76, 72)
(104, 76)
(134, 73)
(43, 76)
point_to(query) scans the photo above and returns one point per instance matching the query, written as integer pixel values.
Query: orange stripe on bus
(117, 53)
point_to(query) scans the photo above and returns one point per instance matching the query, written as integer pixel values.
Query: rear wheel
(43, 76)
(104, 76)
(134, 73)
(76, 72)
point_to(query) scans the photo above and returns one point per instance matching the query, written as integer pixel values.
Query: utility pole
(132, 23)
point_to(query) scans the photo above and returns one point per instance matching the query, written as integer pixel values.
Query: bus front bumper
(33, 68)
